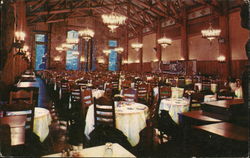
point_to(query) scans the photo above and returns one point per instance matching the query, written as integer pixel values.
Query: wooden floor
(58, 140)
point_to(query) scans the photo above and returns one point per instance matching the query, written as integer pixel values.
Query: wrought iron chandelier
(164, 41)
(113, 20)
(137, 46)
(210, 33)
(86, 34)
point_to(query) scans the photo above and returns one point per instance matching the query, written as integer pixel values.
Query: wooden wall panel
(149, 44)
(238, 67)
(217, 68)
(237, 36)
(172, 52)
(202, 49)
(133, 56)
(147, 67)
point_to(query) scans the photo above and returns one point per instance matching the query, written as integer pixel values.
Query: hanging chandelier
(113, 20)
(119, 49)
(86, 34)
(164, 42)
(210, 33)
(137, 46)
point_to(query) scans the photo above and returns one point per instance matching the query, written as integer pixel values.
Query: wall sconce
(125, 62)
(19, 42)
(82, 59)
(137, 61)
(101, 61)
(221, 59)
(57, 59)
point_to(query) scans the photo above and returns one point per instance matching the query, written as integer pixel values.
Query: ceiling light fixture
(86, 34)
(210, 33)
(164, 41)
(113, 20)
(137, 46)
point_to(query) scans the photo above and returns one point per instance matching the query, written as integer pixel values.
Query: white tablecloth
(209, 98)
(97, 93)
(130, 119)
(98, 151)
(174, 106)
(42, 120)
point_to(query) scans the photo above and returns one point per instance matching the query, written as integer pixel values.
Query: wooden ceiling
(139, 12)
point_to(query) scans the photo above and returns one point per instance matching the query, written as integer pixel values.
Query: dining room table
(130, 119)
(174, 106)
(99, 151)
(42, 121)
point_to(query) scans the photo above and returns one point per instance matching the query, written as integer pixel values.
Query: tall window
(113, 65)
(41, 50)
(72, 59)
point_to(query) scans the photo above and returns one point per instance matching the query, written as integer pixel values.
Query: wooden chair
(181, 82)
(195, 101)
(164, 92)
(109, 90)
(75, 93)
(86, 100)
(130, 94)
(206, 85)
(143, 93)
(126, 84)
(82, 83)
(21, 95)
(5, 139)
(17, 128)
(21, 109)
(104, 112)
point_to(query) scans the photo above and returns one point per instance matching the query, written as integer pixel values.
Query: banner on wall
(179, 67)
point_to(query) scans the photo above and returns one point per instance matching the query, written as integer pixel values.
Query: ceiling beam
(38, 5)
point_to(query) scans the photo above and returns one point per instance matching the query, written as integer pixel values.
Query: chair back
(17, 128)
(75, 93)
(143, 93)
(130, 94)
(104, 111)
(164, 92)
(126, 84)
(21, 109)
(21, 95)
(195, 100)
(5, 139)
(206, 85)
(153, 110)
